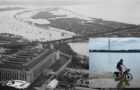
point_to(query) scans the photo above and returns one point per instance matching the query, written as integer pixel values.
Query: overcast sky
(51, 0)
(113, 1)
(45, 2)
(115, 43)
(86, 1)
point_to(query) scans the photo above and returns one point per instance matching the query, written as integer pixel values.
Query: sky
(52, 0)
(86, 1)
(44, 2)
(115, 43)
(112, 1)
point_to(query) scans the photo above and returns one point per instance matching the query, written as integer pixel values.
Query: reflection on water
(122, 83)
(103, 65)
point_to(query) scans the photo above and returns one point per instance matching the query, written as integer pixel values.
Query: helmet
(121, 60)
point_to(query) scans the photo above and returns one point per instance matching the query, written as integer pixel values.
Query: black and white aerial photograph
(44, 44)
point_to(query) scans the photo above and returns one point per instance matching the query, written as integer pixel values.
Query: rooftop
(25, 59)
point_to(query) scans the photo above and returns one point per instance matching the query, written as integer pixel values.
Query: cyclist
(120, 67)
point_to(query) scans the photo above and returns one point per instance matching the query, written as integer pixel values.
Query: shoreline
(116, 51)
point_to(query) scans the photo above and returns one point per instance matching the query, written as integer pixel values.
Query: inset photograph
(114, 62)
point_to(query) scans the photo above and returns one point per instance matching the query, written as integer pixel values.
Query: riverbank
(116, 51)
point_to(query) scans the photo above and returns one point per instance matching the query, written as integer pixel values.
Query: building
(29, 64)
(2, 50)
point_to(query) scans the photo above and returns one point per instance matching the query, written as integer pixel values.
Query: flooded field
(102, 66)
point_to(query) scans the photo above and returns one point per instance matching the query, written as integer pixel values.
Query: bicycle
(126, 75)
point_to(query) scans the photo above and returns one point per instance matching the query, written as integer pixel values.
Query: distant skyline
(115, 43)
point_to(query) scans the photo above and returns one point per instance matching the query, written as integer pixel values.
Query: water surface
(80, 47)
(102, 65)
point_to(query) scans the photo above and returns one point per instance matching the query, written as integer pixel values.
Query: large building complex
(29, 63)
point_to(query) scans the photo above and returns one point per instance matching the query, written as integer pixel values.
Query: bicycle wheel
(116, 76)
(128, 76)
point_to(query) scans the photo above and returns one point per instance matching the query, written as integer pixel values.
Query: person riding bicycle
(120, 66)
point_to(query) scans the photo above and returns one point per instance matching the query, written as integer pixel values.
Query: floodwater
(80, 48)
(112, 10)
(102, 66)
